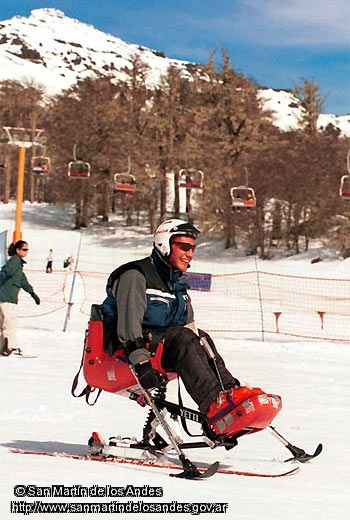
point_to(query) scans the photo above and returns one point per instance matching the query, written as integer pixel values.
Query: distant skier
(12, 279)
(49, 261)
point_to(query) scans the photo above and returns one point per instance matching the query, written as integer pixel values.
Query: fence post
(70, 302)
(260, 299)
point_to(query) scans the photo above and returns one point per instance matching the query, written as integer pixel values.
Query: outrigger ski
(193, 473)
(299, 454)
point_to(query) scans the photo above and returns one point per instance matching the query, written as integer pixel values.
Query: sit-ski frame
(210, 439)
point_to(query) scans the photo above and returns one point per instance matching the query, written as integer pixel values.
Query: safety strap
(88, 389)
(183, 420)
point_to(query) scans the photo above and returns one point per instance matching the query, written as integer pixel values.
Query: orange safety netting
(51, 288)
(243, 303)
(256, 302)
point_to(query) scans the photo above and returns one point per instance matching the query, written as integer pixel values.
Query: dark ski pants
(184, 354)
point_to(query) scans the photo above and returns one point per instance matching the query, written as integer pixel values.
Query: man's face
(182, 251)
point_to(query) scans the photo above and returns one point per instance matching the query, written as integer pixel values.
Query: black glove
(147, 376)
(35, 298)
(139, 360)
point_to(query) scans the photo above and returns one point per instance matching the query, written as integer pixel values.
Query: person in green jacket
(12, 279)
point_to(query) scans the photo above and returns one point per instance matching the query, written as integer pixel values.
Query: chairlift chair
(124, 182)
(243, 197)
(79, 169)
(344, 189)
(40, 165)
(191, 179)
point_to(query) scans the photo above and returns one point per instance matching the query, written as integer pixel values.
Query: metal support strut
(190, 470)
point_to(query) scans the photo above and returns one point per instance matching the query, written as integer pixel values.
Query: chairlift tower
(23, 138)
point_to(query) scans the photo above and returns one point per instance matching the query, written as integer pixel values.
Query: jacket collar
(174, 278)
(22, 260)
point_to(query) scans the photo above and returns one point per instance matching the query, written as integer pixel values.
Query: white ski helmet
(170, 228)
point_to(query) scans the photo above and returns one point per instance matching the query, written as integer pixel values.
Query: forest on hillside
(108, 147)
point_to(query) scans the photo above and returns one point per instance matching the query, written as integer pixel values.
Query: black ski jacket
(144, 298)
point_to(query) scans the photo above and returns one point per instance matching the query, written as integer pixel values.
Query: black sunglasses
(24, 249)
(185, 246)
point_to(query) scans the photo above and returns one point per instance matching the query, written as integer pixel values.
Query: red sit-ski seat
(112, 372)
